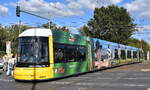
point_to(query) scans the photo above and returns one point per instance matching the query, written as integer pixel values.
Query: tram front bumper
(33, 73)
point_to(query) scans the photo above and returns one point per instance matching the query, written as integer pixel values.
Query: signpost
(8, 47)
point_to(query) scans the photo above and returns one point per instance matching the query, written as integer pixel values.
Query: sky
(73, 13)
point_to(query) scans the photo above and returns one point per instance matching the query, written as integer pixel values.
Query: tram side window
(59, 53)
(81, 55)
(116, 54)
(134, 54)
(43, 50)
(75, 53)
(123, 56)
(70, 53)
(128, 54)
(140, 55)
(145, 55)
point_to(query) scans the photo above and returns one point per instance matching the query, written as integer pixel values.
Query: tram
(45, 54)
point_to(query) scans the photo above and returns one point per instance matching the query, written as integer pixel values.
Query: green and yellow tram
(46, 54)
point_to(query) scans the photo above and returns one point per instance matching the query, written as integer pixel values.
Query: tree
(139, 44)
(134, 42)
(2, 40)
(55, 27)
(110, 23)
(10, 33)
(13, 33)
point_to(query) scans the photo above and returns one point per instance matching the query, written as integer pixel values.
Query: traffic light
(18, 11)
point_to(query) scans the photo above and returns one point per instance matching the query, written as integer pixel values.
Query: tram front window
(33, 51)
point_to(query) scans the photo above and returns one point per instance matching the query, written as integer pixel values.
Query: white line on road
(104, 78)
(148, 88)
(60, 83)
(82, 88)
(111, 84)
(101, 84)
(120, 73)
(137, 78)
(107, 78)
(6, 80)
(82, 77)
(134, 85)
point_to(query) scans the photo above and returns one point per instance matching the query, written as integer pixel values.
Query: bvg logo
(71, 38)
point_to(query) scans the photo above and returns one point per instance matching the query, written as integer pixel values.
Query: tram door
(89, 54)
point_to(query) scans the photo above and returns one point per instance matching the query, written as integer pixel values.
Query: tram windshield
(33, 51)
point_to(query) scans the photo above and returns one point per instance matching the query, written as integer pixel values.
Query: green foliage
(134, 42)
(14, 31)
(2, 53)
(55, 27)
(110, 23)
(139, 44)
(3, 36)
(10, 34)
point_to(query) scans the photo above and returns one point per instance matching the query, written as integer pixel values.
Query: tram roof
(36, 32)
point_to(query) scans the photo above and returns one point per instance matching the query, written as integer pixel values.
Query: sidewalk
(4, 77)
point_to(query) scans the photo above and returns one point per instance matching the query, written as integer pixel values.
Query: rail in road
(128, 77)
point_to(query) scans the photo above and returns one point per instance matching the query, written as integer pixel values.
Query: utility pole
(49, 20)
(19, 26)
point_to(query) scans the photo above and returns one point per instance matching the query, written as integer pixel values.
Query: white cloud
(44, 8)
(74, 5)
(139, 8)
(3, 11)
(59, 9)
(145, 15)
(91, 4)
(116, 1)
(142, 33)
(143, 28)
(73, 30)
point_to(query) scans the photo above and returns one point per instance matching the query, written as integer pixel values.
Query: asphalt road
(129, 77)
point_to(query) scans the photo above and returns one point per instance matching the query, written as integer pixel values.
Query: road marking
(111, 84)
(133, 85)
(104, 78)
(82, 88)
(136, 78)
(101, 84)
(120, 73)
(81, 77)
(139, 74)
(148, 88)
(60, 83)
(86, 84)
(124, 78)
(6, 80)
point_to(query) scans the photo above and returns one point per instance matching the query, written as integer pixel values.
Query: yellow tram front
(35, 55)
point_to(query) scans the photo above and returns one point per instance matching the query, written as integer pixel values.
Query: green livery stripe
(64, 69)
(129, 60)
(115, 62)
(68, 38)
(123, 61)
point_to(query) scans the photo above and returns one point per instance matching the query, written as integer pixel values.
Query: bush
(2, 53)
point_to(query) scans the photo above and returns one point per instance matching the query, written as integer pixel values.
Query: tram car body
(47, 54)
